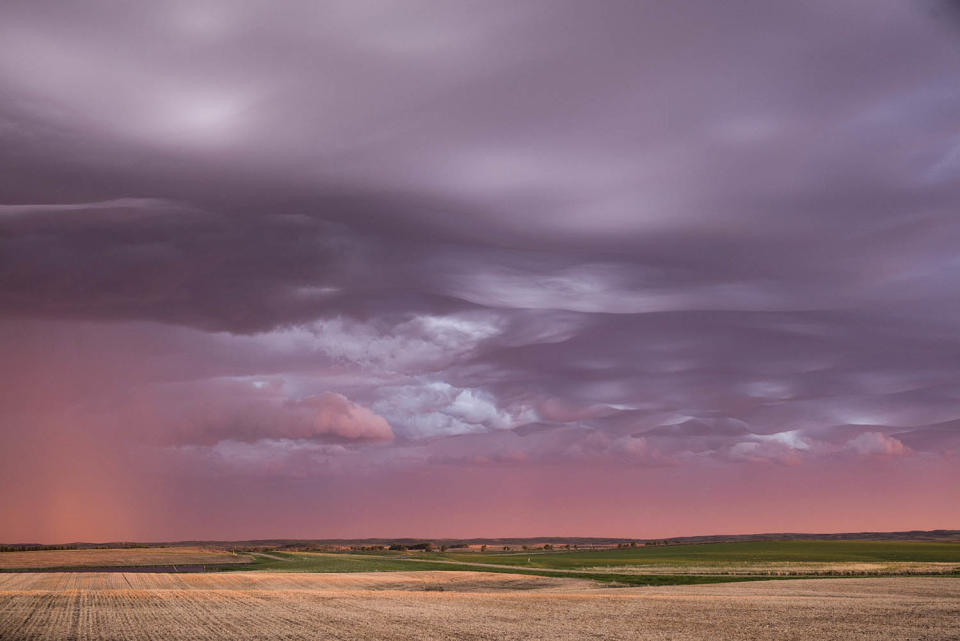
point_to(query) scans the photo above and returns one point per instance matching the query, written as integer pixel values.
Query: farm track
(465, 605)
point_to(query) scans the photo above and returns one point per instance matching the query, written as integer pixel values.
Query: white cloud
(419, 343)
(440, 409)
(782, 447)
(791, 439)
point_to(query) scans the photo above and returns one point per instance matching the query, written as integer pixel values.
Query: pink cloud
(214, 411)
(335, 414)
(878, 444)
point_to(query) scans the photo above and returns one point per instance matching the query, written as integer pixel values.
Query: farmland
(166, 557)
(465, 605)
(724, 591)
(653, 565)
(657, 565)
(348, 563)
(758, 558)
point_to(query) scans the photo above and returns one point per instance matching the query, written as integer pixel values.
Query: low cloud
(436, 408)
(333, 414)
(250, 411)
(877, 444)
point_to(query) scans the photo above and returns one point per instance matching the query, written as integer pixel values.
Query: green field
(654, 565)
(725, 553)
(660, 565)
(391, 562)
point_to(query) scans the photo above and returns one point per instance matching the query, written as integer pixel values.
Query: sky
(384, 268)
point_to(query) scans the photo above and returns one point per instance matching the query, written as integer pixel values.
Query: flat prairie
(117, 557)
(466, 605)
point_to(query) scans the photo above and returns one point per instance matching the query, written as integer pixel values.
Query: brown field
(466, 605)
(117, 557)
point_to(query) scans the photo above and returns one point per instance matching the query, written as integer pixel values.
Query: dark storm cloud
(650, 231)
(158, 260)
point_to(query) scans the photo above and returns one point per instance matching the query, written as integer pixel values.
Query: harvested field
(283, 581)
(117, 557)
(466, 605)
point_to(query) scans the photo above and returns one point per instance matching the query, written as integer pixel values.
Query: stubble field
(465, 605)
(118, 557)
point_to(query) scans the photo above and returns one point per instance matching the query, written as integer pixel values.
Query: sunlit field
(465, 605)
(724, 590)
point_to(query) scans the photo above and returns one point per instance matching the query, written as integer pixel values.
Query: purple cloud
(398, 236)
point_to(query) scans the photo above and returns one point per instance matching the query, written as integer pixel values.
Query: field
(465, 605)
(654, 565)
(763, 558)
(161, 557)
(718, 590)
(345, 563)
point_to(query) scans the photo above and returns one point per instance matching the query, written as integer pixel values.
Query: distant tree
(483, 548)
(506, 548)
(547, 546)
(525, 547)
(443, 548)
(422, 546)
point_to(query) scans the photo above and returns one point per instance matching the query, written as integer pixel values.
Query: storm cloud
(314, 243)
